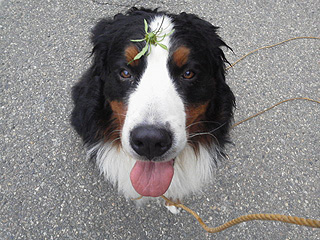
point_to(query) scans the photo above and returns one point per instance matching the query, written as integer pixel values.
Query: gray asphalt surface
(49, 191)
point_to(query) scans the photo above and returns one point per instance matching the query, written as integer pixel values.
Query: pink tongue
(151, 178)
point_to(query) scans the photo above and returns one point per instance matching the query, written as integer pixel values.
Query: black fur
(92, 114)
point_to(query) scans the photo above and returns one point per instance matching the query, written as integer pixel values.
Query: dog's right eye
(125, 74)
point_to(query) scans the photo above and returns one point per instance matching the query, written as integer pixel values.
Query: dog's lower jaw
(192, 170)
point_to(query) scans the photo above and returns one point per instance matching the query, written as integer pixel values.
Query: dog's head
(154, 106)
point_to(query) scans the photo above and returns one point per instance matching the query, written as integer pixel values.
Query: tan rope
(273, 217)
(270, 46)
(269, 108)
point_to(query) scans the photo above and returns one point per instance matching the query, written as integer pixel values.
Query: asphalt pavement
(49, 191)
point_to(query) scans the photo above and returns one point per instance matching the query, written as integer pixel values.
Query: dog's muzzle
(152, 176)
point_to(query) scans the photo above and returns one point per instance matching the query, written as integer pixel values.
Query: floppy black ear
(219, 113)
(91, 113)
(101, 36)
(103, 28)
(222, 104)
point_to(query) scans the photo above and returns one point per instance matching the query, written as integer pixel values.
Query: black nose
(150, 141)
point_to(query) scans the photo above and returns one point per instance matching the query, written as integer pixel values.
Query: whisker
(118, 138)
(115, 131)
(200, 134)
(192, 124)
(120, 114)
(207, 133)
(211, 131)
(204, 133)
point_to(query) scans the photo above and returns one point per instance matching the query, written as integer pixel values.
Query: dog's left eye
(188, 74)
(125, 74)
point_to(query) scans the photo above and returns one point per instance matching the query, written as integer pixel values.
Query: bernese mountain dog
(156, 124)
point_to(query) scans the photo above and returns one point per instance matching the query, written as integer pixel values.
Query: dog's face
(154, 126)
(154, 106)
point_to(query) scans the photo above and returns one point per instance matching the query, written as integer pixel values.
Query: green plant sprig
(151, 38)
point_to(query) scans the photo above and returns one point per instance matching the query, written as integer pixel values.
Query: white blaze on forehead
(156, 84)
(155, 100)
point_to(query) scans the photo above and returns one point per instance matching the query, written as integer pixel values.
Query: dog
(155, 122)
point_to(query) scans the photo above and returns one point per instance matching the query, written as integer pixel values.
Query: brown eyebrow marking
(181, 56)
(130, 52)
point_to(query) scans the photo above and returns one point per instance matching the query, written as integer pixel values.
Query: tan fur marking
(113, 132)
(196, 114)
(119, 111)
(130, 53)
(181, 56)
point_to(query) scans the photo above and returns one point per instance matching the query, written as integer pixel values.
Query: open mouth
(152, 178)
